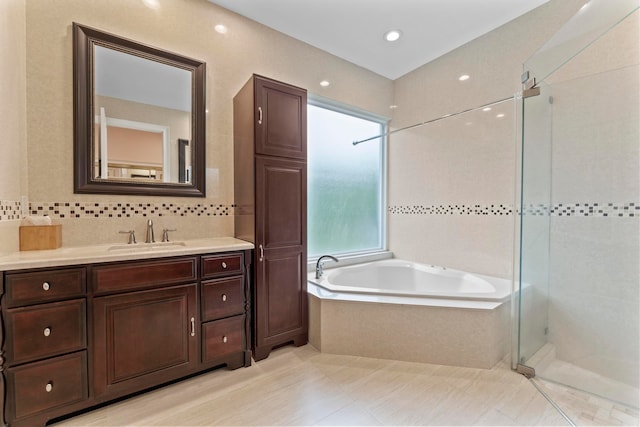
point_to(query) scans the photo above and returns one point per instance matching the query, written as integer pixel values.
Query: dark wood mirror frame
(84, 38)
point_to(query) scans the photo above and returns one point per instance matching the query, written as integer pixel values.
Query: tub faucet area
(319, 264)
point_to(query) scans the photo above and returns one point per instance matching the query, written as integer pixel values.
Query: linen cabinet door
(144, 338)
(281, 121)
(280, 301)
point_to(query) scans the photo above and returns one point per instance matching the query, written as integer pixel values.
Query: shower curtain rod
(433, 120)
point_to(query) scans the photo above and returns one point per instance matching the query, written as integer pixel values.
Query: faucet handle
(165, 234)
(132, 236)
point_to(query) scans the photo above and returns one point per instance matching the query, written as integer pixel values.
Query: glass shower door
(579, 232)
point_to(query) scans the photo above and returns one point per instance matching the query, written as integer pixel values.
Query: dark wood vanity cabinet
(44, 346)
(76, 337)
(270, 138)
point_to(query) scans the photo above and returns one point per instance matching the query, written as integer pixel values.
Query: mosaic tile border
(451, 210)
(64, 210)
(625, 209)
(630, 209)
(9, 210)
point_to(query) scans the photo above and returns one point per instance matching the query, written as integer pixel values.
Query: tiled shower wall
(452, 183)
(594, 289)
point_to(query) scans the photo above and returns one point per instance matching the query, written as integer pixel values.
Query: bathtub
(395, 277)
(402, 310)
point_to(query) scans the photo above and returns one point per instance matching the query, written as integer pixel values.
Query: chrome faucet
(150, 238)
(319, 264)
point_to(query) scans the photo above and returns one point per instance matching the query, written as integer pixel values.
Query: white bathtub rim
(324, 294)
(502, 286)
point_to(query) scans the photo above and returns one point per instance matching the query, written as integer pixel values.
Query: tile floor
(301, 386)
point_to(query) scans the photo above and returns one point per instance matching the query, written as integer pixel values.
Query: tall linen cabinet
(270, 184)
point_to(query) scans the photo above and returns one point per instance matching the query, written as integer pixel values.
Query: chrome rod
(446, 116)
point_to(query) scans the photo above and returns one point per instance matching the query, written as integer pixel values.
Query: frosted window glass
(344, 183)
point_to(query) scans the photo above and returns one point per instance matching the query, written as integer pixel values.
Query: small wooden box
(39, 237)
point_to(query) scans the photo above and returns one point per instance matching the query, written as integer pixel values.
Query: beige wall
(13, 113)
(460, 167)
(186, 27)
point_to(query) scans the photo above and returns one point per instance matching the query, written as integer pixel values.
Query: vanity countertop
(118, 252)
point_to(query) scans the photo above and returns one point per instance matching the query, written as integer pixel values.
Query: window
(346, 191)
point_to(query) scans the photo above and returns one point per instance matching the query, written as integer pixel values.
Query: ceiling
(354, 29)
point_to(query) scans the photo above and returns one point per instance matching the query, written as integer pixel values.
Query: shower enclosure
(577, 274)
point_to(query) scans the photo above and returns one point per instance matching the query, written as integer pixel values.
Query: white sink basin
(143, 247)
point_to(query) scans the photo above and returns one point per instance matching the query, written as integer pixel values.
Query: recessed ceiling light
(392, 35)
(501, 115)
(463, 77)
(222, 29)
(152, 4)
(325, 83)
(486, 109)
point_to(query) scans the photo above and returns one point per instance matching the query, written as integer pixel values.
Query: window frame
(382, 251)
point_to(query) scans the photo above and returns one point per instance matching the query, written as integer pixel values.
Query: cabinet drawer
(221, 265)
(45, 330)
(44, 286)
(223, 337)
(145, 274)
(222, 298)
(39, 386)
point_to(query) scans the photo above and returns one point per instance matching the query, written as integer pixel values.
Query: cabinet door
(281, 119)
(144, 338)
(281, 220)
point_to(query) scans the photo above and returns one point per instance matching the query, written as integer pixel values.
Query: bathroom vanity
(84, 326)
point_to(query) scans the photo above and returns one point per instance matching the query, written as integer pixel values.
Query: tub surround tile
(473, 338)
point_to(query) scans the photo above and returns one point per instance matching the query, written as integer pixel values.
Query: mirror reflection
(142, 114)
(139, 118)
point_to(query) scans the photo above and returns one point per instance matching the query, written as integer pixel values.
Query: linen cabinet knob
(48, 387)
(46, 286)
(47, 332)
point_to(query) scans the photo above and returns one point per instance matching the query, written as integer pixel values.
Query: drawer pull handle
(224, 339)
(224, 264)
(48, 387)
(193, 326)
(46, 286)
(47, 332)
(224, 297)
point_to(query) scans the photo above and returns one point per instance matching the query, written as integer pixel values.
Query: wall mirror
(139, 118)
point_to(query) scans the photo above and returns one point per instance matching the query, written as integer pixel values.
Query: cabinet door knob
(46, 286)
(224, 339)
(48, 387)
(224, 297)
(224, 264)
(47, 332)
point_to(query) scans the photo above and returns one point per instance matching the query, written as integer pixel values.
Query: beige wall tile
(181, 26)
